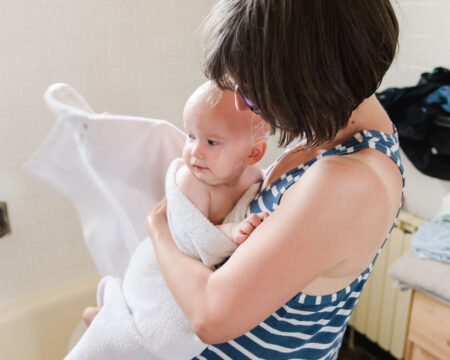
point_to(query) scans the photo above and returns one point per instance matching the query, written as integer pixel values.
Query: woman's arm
(312, 231)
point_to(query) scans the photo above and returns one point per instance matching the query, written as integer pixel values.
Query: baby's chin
(207, 177)
(214, 181)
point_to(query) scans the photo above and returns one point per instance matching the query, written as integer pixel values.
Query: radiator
(382, 312)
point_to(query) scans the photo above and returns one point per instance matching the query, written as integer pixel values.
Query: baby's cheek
(229, 159)
(232, 152)
(224, 156)
(186, 152)
(225, 150)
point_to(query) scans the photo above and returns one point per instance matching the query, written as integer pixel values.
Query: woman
(310, 68)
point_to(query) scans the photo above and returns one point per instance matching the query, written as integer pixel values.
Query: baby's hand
(242, 231)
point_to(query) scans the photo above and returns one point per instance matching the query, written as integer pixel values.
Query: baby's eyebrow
(215, 136)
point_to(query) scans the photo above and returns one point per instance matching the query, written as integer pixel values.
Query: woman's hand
(156, 221)
(186, 277)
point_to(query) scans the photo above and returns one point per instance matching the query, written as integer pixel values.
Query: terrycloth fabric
(103, 336)
(429, 276)
(432, 241)
(139, 319)
(154, 325)
(193, 233)
(112, 169)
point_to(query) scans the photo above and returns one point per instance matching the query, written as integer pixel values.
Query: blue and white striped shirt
(306, 327)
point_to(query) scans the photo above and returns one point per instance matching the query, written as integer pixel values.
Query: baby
(222, 149)
(219, 165)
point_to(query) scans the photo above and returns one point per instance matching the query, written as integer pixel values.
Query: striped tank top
(306, 327)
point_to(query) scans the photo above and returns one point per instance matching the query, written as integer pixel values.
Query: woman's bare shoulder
(359, 196)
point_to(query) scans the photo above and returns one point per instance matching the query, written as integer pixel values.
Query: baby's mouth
(195, 165)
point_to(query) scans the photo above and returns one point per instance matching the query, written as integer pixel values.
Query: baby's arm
(198, 195)
(193, 189)
(239, 232)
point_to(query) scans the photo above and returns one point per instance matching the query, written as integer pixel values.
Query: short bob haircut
(305, 64)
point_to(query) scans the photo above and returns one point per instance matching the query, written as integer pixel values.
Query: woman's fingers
(89, 314)
(161, 206)
(156, 215)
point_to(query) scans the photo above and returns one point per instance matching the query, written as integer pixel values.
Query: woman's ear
(257, 152)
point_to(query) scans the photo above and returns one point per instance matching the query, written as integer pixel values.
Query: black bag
(423, 126)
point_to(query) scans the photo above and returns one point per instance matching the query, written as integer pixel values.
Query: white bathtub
(44, 327)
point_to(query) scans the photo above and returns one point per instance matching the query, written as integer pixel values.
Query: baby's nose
(197, 151)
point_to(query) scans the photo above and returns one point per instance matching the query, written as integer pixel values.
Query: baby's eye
(191, 136)
(212, 142)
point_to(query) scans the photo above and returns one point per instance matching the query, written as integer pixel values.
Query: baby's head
(221, 141)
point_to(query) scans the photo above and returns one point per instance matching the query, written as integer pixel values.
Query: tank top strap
(269, 198)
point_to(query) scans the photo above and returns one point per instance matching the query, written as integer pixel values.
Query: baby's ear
(257, 152)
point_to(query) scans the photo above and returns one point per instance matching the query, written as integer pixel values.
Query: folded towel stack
(429, 276)
(432, 241)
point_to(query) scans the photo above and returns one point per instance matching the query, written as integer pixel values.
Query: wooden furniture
(429, 329)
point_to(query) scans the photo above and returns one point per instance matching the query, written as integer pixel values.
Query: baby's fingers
(247, 228)
(263, 215)
(254, 220)
(240, 238)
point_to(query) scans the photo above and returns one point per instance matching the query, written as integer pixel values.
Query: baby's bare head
(222, 142)
(218, 111)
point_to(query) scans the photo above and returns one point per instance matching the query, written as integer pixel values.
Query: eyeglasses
(247, 101)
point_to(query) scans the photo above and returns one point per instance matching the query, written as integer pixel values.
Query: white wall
(133, 57)
(136, 57)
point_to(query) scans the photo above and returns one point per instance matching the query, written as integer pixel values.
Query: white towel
(112, 169)
(160, 326)
(193, 233)
(426, 275)
(113, 334)
(138, 319)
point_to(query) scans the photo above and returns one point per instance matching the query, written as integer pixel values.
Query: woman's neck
(370, 114)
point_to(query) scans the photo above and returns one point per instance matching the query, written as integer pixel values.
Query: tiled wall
(139, 58)
(127, 57)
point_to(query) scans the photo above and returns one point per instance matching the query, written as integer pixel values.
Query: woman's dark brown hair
(305, 64)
